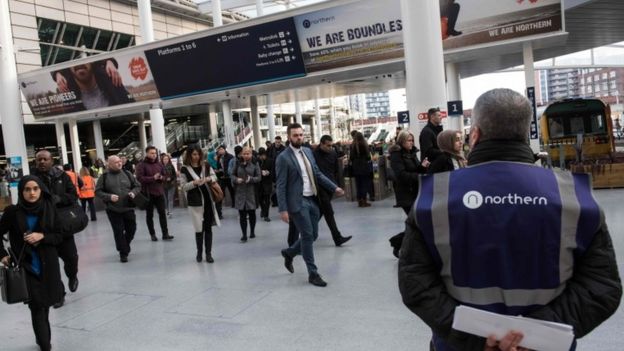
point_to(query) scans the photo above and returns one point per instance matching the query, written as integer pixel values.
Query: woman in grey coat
(245, 176)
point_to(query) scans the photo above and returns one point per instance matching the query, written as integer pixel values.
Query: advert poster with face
(87, 86)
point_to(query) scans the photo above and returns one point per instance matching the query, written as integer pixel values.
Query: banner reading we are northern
(360, 32)
(466, 23)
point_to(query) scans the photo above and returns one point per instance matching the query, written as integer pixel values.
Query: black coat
(406, 168)
(360, 161)
(328, 163)
(46, 289)
(60, 186)
(266, 184)
(443, 163)
(428, 140)
(590, 297)
(223, 163)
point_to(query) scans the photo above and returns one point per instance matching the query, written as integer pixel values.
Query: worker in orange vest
(74, 177)
(87, 192)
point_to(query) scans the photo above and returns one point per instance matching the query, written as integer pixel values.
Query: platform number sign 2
(455, 108)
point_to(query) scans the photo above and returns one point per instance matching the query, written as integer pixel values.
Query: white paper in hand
(538, 335)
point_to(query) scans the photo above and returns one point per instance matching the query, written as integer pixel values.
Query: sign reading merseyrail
(259, 54)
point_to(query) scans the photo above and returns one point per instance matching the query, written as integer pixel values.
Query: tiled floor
(163, 300)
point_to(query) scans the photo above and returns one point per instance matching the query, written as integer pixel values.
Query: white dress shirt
(307, 185)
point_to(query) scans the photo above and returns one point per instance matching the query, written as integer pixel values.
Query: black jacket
(443, 163)
(194, 196)
(60, 186)
(406, 168)
(47, 288)
(429, 142)
(328, 163)
(266, 184)
(591, 296)
(223, 163)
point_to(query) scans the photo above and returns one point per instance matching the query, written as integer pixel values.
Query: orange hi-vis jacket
(88, 189)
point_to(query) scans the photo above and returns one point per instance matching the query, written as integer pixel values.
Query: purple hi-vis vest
(505, 235)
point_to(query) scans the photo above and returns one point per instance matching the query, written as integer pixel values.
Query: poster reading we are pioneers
(93, 85)
(468, 23)
(357, 33)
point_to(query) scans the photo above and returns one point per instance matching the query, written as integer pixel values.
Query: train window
(577, 126)
(555, 127)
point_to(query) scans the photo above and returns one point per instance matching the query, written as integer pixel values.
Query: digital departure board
(259, 54)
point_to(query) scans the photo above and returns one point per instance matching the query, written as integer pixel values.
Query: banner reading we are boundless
(360, 32)
(112, 81)
(467, 23)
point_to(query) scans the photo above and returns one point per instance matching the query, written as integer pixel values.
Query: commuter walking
(428, 138)
(151, 174)
(266, 184)
(543, 251)
(329, 164)
(245, 177)
(87, 192)
(64, 194)
(33, 238)
(223, 174)
(195, 177)
(273, 151)
(117, 188)
(297, 179)
(362, 167)
(127, 165)
(170, 183)
(406, 168)
(451, 143)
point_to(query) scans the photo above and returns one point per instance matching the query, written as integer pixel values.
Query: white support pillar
(270, 117)
(255, 122)
(298, 115)
(228, 124)
(213, 118)
(217, 17)
(142, 134)
(75, 144)
(313, 132)
(260, 7)
(145, 18)
(317, 108)
(453, 87)
(157, 122)
(10, 108)
(332, 118)
(424, 59)
(97, 135)
(529, 78)
(61, 144)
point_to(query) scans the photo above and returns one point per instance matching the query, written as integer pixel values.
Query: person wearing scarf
(451, 144)
(31, 225)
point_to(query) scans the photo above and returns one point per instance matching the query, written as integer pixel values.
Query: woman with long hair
(87, 192)
(196, 175)
(170, 181)
(33, 236)
(245, 177)
(362, 168)
(451, 143)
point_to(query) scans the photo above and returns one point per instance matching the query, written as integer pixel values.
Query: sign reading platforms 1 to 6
(259, 54)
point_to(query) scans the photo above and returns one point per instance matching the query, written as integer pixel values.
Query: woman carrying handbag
(196, 177)
(31, 225)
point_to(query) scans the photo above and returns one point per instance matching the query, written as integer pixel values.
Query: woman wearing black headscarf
(31, 227)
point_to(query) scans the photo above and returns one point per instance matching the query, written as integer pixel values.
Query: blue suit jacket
(289, 182)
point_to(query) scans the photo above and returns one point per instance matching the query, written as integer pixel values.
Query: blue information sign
(259, 54)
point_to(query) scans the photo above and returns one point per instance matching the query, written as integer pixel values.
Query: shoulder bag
(72, 219)
(13, 280)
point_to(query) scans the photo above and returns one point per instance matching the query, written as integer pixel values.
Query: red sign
(423, 116)
(138, 68)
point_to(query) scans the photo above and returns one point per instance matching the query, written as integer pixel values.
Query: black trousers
(41, 325)
(226, 183)
(89, 201)
(157, 201)
(265, 205)
(328, 212)
(68, 252)
(243, 215)
(452, 12)
(124, 228)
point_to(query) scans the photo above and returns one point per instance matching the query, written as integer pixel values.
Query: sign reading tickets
(94, 85)
(254, 55)
(357, 33)
(467, 23)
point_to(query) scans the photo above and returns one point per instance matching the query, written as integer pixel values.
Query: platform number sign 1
(455, 108)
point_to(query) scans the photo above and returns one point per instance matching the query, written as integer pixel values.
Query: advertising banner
(358, 33)
(14, 170)
(468, 23)
(97, 84)
(259, 54)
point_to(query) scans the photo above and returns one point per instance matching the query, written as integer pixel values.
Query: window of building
(589, 79)
(596, 77)
(604, 75)
(590, 90)
(597, 88)
(612, 74)
(60, 41)
(613, 84)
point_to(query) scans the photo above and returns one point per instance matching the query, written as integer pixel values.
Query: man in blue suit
(296, 186)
